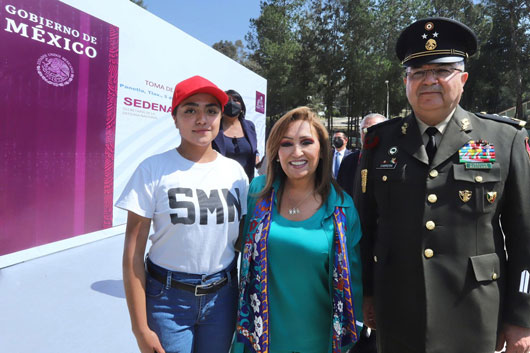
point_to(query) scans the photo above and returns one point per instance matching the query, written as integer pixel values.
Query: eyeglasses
(438, 73)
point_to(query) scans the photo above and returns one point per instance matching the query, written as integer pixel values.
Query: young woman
(183, 298)
(237, 136)
(300, 273)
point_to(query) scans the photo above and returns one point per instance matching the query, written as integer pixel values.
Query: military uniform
(434, 235)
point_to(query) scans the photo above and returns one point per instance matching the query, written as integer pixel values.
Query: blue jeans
(186, 323)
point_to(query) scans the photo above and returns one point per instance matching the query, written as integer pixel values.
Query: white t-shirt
(195, 207)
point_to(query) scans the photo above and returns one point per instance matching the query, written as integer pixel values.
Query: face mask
(232, 109)
(338, 142)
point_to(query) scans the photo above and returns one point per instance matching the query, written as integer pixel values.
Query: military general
(444, 199)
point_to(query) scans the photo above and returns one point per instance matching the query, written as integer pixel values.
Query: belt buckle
(199, 286)
(209, 285)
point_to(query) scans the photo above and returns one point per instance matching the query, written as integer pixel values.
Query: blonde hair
(323, 179)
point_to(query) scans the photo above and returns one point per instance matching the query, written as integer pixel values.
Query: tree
(338, 54)
(274, 44)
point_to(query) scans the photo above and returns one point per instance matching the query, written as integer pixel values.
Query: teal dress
(299, 255)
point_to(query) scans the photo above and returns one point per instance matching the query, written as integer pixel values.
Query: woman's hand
(148, 342)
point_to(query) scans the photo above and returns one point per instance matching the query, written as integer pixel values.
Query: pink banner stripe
(81, 135)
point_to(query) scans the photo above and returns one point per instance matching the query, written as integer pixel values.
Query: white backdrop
(155, 55)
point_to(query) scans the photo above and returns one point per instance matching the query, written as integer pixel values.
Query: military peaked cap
(435, 40)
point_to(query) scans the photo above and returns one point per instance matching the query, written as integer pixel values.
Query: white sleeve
(244, 192)
(138, 195)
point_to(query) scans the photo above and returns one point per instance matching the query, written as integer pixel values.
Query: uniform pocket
(478, 189)
(486, 267)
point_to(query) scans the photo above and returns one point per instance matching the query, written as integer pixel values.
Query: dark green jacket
(433, 260)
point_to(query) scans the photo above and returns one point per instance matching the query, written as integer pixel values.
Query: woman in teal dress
(300, 285)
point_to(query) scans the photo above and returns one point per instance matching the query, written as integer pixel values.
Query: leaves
(335, 55)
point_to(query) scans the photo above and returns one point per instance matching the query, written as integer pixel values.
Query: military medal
(465, 195)
(364, 180)
(491, 196)
(477, 155)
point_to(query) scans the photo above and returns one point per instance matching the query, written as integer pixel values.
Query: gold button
(494, 276)
(385, 178)
(478, 179)
(433, 173)
(428, 253)
(430, 225)
(375, 258)
(432, 198)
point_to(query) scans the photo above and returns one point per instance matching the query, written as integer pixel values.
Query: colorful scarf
(253, 314)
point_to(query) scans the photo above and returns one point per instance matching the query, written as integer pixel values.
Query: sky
(208, 20)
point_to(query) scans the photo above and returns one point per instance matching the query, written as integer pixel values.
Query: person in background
(443, 200)
(348, 166)
(183, 298)
(339, 152)
(237, 136)
(300, 269)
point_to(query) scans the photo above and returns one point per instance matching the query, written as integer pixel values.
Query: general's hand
(149, 342)
(369, 312)
(517, 339)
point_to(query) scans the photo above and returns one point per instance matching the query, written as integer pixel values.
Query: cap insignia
(429, 26)
(424, 36)
(431, 44)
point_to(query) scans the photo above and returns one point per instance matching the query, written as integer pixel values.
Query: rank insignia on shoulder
(477, 155)
(503, 119)
(521, 123)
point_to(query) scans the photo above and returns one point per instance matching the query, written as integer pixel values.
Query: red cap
(194, 85)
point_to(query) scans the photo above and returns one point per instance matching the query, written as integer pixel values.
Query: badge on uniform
(387, 164)
(464, 124)
(364, 180)
(404, 128)
(477, 155)
(465, 195)
(491, 196)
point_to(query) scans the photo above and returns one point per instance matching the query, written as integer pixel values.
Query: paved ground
(72, 301)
